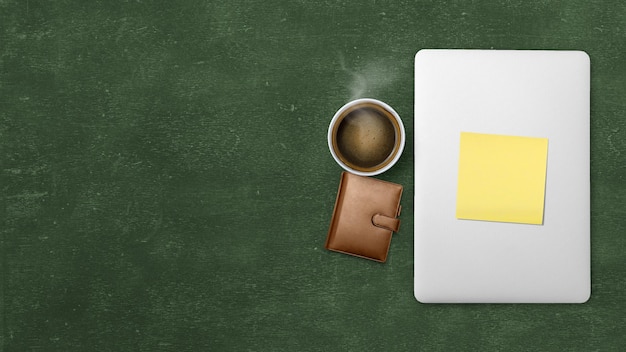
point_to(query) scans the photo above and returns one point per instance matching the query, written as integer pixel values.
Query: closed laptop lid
(516, 93)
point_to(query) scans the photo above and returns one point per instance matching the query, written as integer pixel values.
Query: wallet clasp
(386, 222)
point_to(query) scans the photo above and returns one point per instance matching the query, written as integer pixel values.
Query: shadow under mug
(366, 137)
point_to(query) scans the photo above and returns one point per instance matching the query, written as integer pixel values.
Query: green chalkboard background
(166, 183)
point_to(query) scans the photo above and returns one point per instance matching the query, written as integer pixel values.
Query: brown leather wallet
(365, 217)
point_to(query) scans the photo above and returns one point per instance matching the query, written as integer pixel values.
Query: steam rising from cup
(369, 80)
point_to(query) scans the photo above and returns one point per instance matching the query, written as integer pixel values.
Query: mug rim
(398, 151)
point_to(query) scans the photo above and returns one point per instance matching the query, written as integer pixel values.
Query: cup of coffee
(366, 137)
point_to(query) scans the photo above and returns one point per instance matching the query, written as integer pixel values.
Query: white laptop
(468, 247)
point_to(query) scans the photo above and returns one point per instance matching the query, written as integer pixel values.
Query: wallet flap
(386, 222)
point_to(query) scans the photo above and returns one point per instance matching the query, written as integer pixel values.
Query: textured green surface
(166, 183)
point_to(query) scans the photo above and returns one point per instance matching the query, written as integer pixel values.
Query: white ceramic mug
(366, 137)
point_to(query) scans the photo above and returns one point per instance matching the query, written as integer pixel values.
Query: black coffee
(365, 138)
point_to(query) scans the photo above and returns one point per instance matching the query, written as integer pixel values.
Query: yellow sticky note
(501, 178)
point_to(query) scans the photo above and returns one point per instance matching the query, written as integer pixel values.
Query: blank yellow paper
(501, 178)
